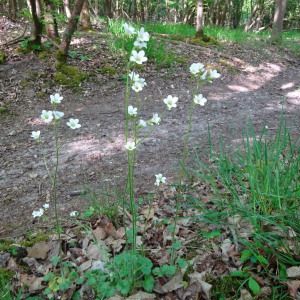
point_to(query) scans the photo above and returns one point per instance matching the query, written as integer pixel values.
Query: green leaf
(76, 295)
(148, 283)
(123, 286)
(55, 261)
(171, 227)
(253, 259)
(254, 286)
(79, 281)
(181, 263)
(176, 245)
(262, 259)
(245, 255)
(65, 285)
(48, 277)
(185, 284)
(237, 273)
(72, 275)
(91, 281)
(47, 291)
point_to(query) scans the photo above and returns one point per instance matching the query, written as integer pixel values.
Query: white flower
(267, 127)
(56, 98)
(58, 115)
(155, 119)
(199, 99)
(47, 116)
(128, 30)
(38, 213)
(142, 124)
(171, 101)
(73, 213)
(140, 44)
(36, 135)
(196, 68)
(139, 58)
(203, 76)
(132, 111)
(46, 206)
(160, 178)
(157, 182)
(137, 87)
(214, 74)
(134, 77)
(142, 35)
(73, 123)
(142, 81)
(130, 146)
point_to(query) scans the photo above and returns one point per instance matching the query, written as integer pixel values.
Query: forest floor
(94, 155)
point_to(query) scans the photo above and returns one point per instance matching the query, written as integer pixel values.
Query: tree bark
(14, 8)
(67, 8)
(278, 21)
(224, 13)
(168, 11)
(134, 16)
(50, 21)
(107, 7)
(71, 26)
(142, 11)
(37, 27)
(86, 24)
(251, 17)
(199, 26)
(219, 16)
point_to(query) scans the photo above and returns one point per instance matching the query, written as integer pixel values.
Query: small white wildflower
(143, 35)
(36, 135)
(155, 119)
(140, 44)
(142, 82)
(56, 98)
(130, 146)
(128, 30)
(47, 116)
(132, 111)
(199, 99)
(203, 76)
(214, 74)
(58, 115)
(160, 178)
(139, 58)
(46, 206)
(137, 87)
(74, 213)
(195, 68)
(142, 124)
(73, 123)
(157, 182)
(38, 213)
(134, 76)
(171, 101)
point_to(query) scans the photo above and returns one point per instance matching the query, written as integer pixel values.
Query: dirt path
(95, 153)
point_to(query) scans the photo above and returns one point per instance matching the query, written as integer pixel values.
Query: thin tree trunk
(50, 21)
(134, 16)
(37, 25)
(168, 11)
(251, 17)
(14, 8)
(199, 26)
(38, 8)
(86, 24)
(187, 14)
(67, 8)
(107, 7)
(62, 53)
(278, 21)
(224, 13)
(218, 21)
(142, 11)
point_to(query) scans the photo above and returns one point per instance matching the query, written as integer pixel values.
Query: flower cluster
(48, 116)
(74, 214)
(40, 212)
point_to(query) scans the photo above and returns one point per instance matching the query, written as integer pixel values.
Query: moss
(88, 29)
(23, 50)
(61, 79)
(227, 285)
(231, 69)
(181, 61)
(2, 57)
(8, 102)
(43, 75)
(33, 74)
(206, 40)
(140, 67)
(60, 65)
(211, 67)
(69, 71)
(25, 83)
(223, 62)
(40, 95)
(61, 56)
(3, 110)
(57, 40)
(110, 70)
(178, 37)
(43, 55)
(7, 276)
(40, 237)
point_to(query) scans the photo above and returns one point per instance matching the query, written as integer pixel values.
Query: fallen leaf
(39, 250)
(4, 258)
(293, 272)
(33, 283)
(117, 244)
(146, 211)
(32, 175)
(100, 233)
(245, 295)
(120, 233)
(86, 265)
(174, 284)
(97, 252)
(293, 287)
(140, 296)
(192, 291)
(225, 247)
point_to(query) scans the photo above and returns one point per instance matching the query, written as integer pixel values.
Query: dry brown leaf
(205, 287)
(4, 258)
(226, 247)
(97, 252)
(145, 212)
(100, 233)
(34, 283)
(110, 230)
(174, 284)
(39, 250)
(117, 244)
(192, 291)
(54, 251)
(245, 295)
(12, 265)
(141, 296)
(293, 287)
(293, 272)
(120, 233)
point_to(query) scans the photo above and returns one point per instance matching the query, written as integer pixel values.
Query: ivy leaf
(76, 295)
(254, 286)
(176, 245)
(48, 277)
(245, 255)
(148, 283)
(181, 263)
(237, 273)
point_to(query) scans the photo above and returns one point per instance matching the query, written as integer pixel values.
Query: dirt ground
(95, 154)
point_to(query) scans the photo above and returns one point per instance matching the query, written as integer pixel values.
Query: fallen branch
(203, 49)
(46, 37)
(291, 29)
(16, 40)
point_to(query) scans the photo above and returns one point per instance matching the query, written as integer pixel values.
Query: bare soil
(95, 155)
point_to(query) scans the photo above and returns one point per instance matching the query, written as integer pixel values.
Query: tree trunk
(134, 16)
(224, 13)
(218, 21)
(187, 14)
(67, 8)
(38, 8)
(86, 24)
(62, 53)
(37, 25)
(278, 21)
(168, 11)
(252, 17)
(142, 11)
(14, 8)
(107, 7)
(147, 9)
(50, 21)
(199, 26)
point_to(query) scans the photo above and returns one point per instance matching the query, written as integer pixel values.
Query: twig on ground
(235, 238)
(46, 37)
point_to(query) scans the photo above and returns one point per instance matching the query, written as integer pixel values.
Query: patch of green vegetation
(206, 40)
(33, 74)
(23, 50)
(231, 69)
(25, 83)
(227, 285)
(43, 55)
(88, 30)
(40, 95)
(110, 70)
(223, 63)
(140, 67)
(60, 79)
(2, 57)
(178, 37)
(43, 75)
(7, 275)
(8, 102)
(211, 67)
(3, 110)
(40, 237)
(61, 56)
(181, 61)
(57, 40)
(69, 75)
